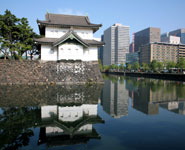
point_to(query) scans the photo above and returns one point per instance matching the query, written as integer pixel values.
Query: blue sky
(138, 14)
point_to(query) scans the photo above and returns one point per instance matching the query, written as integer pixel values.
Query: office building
(117, 41)
(131, 58)
(166, 38)
(161, 52)
(146, 36)
(179, 33)
(100, 50)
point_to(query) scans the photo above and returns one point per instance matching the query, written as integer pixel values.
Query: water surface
(125, 113)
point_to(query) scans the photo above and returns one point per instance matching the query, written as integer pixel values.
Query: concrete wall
(29, 72)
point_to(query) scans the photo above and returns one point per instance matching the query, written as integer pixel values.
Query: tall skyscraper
(180, 33)
(148, 35)
(100, 50)
(117, 42)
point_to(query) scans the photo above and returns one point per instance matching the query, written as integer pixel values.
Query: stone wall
(38, 72)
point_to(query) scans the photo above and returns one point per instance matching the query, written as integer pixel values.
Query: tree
(160, 66)
(181, 63)
(121, 67)
(170, 64)
(145, 66)
(154, 65)
(17, 37)
(129, 66)
(136, 66)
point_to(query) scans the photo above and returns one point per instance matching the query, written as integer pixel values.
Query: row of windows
(68, 49)
(56, 31)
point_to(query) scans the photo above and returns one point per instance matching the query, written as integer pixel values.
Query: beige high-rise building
(161, 52)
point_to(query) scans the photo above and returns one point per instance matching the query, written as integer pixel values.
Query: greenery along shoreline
(154, 66)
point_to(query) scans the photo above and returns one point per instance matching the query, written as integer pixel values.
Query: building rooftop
(165, 43)
(62, 20)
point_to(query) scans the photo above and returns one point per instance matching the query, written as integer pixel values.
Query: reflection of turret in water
(64, 114)
(71, 124)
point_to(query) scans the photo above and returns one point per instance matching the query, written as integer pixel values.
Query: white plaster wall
(70, 51)
(48, 54)
(53, 32)
(93, 54)
(76, 52)
(84, 34)
(46, 111)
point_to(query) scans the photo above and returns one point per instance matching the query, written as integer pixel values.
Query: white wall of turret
(53, 32)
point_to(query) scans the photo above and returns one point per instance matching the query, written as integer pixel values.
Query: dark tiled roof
(46, 40)
(67, 20)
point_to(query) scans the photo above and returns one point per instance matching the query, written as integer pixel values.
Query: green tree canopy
(154, 65)
(160, 66)
(16, 36)
(129, 66)
(136, 66)
(145, 66)
(181, 63)
(170, 64)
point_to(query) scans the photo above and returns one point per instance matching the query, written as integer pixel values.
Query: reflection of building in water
(68, 125)
(176, 107)
(141, 101)
(115, 99)
(65, 114)
(149, 97)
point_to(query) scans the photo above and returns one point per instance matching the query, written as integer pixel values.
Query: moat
(125, 113)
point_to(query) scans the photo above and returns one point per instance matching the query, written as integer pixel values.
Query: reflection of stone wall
(34, 95)
(23, 72)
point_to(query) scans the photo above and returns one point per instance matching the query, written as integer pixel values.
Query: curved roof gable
(70, 35)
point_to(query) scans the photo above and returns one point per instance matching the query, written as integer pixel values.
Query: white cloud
(70, 11)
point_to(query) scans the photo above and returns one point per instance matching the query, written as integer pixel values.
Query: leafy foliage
(16, 36)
